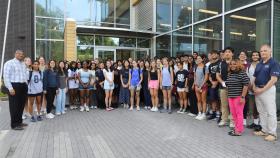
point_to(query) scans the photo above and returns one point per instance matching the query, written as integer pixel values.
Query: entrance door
(125, 54)
(105, 54)
(142, 54)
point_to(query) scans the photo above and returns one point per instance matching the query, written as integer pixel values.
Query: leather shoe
(23, 125)
(18, 128)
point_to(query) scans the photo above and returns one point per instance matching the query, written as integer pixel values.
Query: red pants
(236, 110)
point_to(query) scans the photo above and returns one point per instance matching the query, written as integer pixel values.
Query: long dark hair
(49, 65)
(63, 71)
(109, 68)
(71, 67)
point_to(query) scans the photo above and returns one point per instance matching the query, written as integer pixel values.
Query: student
(154, 76)
(93, 95)
(237, 85)
(50, 87)
(252, 104)
(135, 79)
(99, 76)
(73, 84)
(181, 80)
(145, 87)
(191, 93)
(84, 76)
(42, 68)
(35, 91)
(28, 64)
(62, 88)
(108, 85)
(166, 83)
(124, 91)
(200, 86)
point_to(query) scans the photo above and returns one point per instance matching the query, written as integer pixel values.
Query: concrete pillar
(70, 44)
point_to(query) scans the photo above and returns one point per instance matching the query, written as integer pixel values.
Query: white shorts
(181, 89)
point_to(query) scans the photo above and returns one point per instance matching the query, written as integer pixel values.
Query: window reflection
(163, 15)
(50, 8)
(182, 13)
(232, 4)
(249, 28)
(50, 49)
(47, 28)
(206, 8)
(182, 42)
(163, 46)
(208, 36)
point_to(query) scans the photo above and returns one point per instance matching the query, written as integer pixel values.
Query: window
(50, 8)
(182, 42)
(50, 49)
(47, 28)
(84, 52)
(163, 15)
(123, 13)
(85, 40)
(232, 4)
(143, 43)
(182, 13)
(163, 46)
(248, 29)
(208, 36)
(206, 8)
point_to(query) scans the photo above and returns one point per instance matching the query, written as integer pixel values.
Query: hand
(12, 92)
(160, 87)
(224, 84)
(57, 91)
(45, 92)
(242, 100)
(258, 91)
(66, 90)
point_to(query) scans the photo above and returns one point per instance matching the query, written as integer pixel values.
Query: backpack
(168, 69)
(204, 69)
(30, 75)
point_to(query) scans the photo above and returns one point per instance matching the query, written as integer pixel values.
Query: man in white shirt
(15, 80)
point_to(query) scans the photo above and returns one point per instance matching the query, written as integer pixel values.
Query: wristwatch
(242, 97)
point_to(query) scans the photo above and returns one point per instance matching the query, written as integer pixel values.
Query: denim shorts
(166, 87)
(136, 88)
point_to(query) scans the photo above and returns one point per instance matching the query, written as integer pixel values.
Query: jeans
(60, 100)
(51, 91)
(236, 110)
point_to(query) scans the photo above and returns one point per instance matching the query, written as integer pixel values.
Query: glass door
(142, 54)
(123, 54)
(105, 54)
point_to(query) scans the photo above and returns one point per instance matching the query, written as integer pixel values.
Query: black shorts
(213, 94)
(35, 95)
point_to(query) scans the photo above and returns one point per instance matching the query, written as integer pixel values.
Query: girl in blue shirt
(135, 79)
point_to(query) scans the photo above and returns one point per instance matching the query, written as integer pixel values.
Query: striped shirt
(235, 83)
(14, 72)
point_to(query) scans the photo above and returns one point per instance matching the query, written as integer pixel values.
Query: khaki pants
(224, 105)
(266, 106)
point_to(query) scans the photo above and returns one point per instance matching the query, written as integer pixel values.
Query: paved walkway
(125, 134)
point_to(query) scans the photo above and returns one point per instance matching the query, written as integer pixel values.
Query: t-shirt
(125, 75)
(99, 74)
(213, 68)
(223, 70)
(85, 75)
(135, 76)
(72, 82)
(264, 71)
(61, 81)
(166, 76)
(35, 84)
(200, 75)
(181, 77)
(235, 83)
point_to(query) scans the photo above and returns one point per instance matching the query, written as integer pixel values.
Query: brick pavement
(126, 134)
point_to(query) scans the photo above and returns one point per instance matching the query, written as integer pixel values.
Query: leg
(63, 100)
(198, 96)
(30, 105)
(204, 100)
(181, 99)
(58, 102)
(107, 98)
(164, 92)
(224, 105)
(239, 128)
(82, 94)
(131, 99)
(137, 98)
(169, 95)
(39, 103)
(110, 97)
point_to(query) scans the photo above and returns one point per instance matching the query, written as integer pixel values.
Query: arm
(113, 77)
(205, 79)
(45, 80)
(172, 76)
(129, 78)
(270, 83)
(7, 74)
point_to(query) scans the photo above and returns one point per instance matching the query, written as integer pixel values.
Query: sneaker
(138, 108)
(270, 138)
(153, 109)
(24, 117)
(33, 119)
(169, 111)
(191, 114)
(156, 109)
(58, 113)
(87, 108)
(82, 108)
(260, 133)
(52, 115)
(39, 118)
(211, 117)
(91, 107)
(202, 117)
(180, 111)
(258, 128)
(149, 108)
(146, 108)
(183, 111)
(71, 107)
(251, 126)
(198, 116)
(49, 116)
(63, 112)
(163, 110)
(222, 124)
(111, 108)
(95, 107)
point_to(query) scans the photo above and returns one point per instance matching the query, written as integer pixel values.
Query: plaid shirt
(14, 72)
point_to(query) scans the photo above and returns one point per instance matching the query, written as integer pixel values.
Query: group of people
(214, 87)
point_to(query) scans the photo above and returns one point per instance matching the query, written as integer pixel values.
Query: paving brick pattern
(128, 134)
